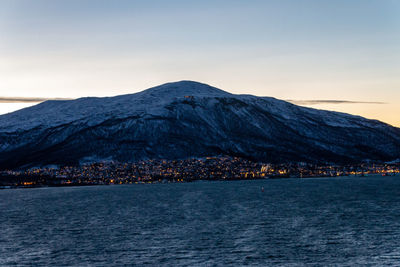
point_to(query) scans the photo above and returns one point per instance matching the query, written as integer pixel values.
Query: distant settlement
(188, 170)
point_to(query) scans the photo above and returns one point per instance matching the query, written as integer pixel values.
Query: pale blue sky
(347, 50)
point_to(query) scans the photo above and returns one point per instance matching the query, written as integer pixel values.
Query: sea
(345, 221)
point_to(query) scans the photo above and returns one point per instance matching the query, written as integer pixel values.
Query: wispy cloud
(318, 102)
(297, 102)
(27, 99)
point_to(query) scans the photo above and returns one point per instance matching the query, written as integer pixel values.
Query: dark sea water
(294, 222)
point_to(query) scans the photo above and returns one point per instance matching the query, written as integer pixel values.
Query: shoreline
(4, 187)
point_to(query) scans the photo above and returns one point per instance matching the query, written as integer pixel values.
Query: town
(188, 170)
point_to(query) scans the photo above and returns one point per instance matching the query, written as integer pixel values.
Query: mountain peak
(185, 88)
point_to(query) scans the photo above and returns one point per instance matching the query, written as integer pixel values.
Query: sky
(339, 55)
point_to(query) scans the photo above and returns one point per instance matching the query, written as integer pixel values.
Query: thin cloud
(297, 102)
(27, 99)
(318, 102)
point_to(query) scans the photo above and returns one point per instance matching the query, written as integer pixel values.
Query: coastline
(51, 185)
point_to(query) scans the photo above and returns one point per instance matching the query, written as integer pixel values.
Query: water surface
(296, 222)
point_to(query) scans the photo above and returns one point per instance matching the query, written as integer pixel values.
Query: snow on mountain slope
(152, 101)
(94, 109)
(184, 119)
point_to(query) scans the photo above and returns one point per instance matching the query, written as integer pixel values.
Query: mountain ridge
(188, 119)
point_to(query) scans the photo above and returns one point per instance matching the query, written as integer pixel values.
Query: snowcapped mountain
(188, 119)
